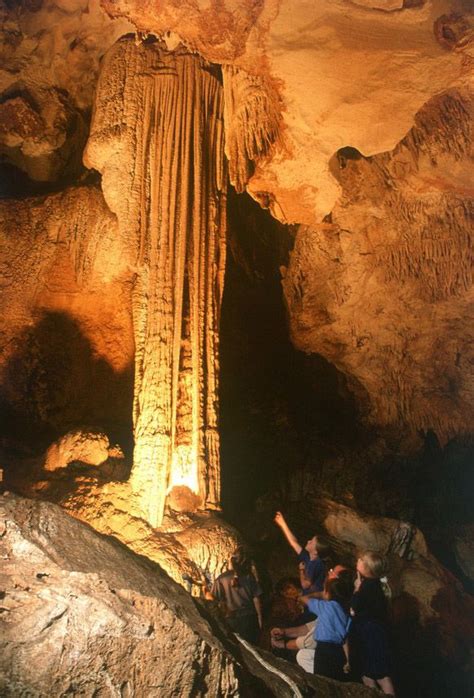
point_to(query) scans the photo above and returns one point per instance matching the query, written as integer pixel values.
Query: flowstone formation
(383, 288)
(157, 138)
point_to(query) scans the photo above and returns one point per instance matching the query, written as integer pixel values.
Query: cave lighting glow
(184, 468)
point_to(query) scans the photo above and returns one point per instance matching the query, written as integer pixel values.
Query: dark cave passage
(281, 410)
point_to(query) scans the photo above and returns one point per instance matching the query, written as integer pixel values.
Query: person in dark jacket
(370, 654)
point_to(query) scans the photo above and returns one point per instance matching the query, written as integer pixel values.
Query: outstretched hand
(279, 519)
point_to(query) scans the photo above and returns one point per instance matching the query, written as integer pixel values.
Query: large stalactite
(157, 138)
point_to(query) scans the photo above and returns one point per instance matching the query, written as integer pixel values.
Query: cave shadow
(16, 184)
(281, 409)
(56, 382)
(427, 663)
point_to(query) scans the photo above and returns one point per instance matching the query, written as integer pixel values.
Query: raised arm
(289, 535)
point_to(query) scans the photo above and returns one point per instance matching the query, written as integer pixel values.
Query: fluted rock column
(157, 139)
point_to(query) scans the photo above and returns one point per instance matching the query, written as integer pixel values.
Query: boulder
(85, 446)
(83, 615)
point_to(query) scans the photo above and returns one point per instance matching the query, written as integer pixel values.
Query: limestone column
(157, 139)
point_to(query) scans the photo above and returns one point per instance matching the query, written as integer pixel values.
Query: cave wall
(300, 85)
(347, 120)
(384, 288)
(67, 349)
(350, 120)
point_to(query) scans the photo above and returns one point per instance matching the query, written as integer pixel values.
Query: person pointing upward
(312, 568)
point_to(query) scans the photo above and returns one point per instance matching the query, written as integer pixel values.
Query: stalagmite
(157, 138)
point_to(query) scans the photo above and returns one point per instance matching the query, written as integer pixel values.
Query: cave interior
(236, 271)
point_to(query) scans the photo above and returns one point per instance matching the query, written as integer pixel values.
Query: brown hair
(323, 548)
(241, 565)
(286, 582)
(339, 589)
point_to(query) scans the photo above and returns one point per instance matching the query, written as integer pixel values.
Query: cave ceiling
(349, 118)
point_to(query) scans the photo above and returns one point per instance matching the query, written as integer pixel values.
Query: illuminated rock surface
(82, 614)
(348, 119)
(66, 284)
(385, 289)
(157, 138)
(88, 447)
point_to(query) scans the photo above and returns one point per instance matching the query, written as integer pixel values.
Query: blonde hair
(377, 566)
(375, 563)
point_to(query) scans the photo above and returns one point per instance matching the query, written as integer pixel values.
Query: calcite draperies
(157, 138)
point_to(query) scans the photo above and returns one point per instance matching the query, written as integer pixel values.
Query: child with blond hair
(370, 653)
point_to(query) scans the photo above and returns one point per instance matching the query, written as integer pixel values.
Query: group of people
(333, 621)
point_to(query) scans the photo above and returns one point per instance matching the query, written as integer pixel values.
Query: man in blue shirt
(312, 569)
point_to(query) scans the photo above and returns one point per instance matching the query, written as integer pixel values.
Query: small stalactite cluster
(157, 136)
(444, 125)
(437, 254)
(435, 249)
(252, 122)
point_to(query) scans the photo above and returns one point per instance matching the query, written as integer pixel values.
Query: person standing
(239, 592)
(368, 636)
(330, 634)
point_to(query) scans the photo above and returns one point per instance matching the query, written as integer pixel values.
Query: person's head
(340, 572)
(335, 571)
(240, 562)
(311, 545)
(288, 587)
(371, 564)
(339, 589)
(317, 547)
